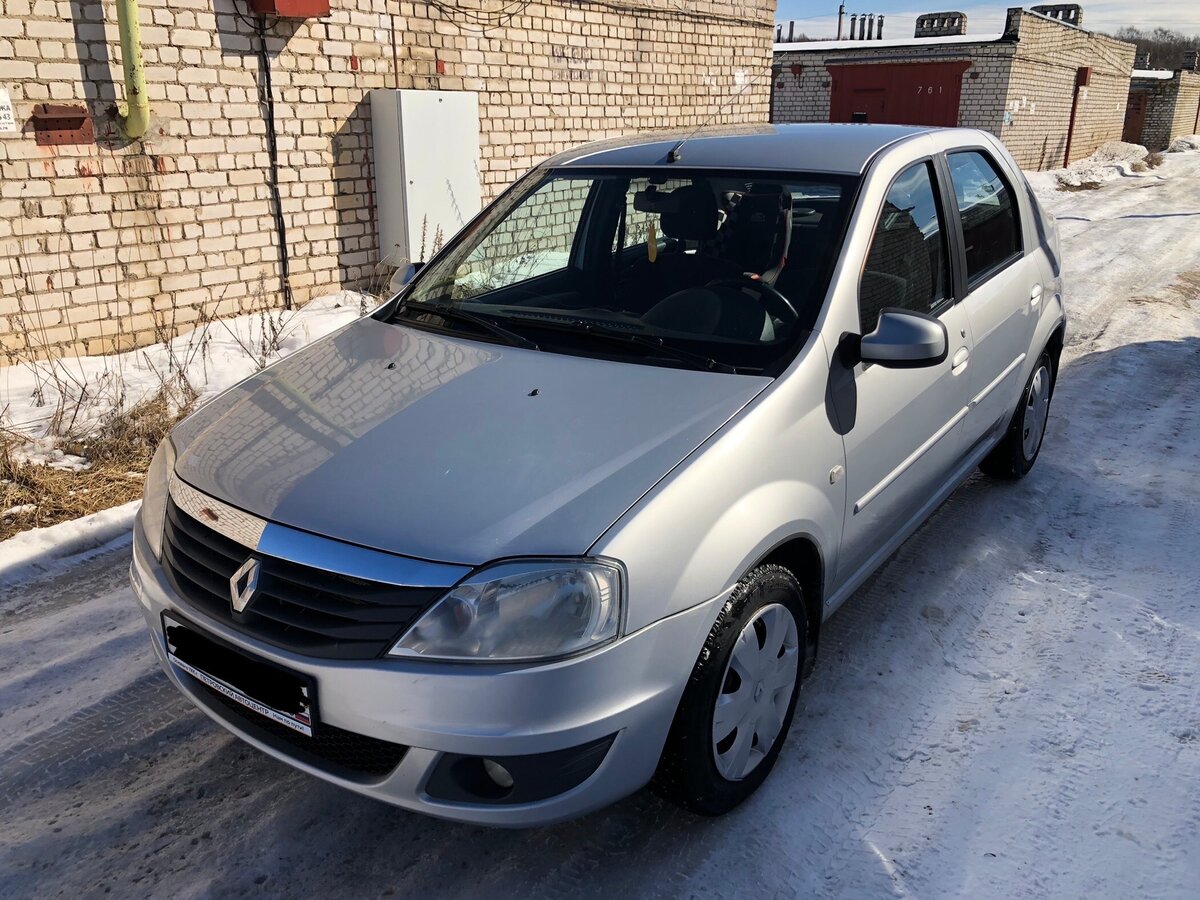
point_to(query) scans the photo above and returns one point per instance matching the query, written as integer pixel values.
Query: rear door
(1003, 287)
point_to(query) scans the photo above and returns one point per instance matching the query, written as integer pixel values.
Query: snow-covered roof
(894, 42)
(1161, 74)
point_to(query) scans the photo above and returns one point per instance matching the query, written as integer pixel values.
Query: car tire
(751, 665)
(1018, 450)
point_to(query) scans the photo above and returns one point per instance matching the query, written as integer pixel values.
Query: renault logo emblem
(243, 584)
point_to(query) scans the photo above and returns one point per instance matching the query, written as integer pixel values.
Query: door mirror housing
(403, 276)
(904, 339)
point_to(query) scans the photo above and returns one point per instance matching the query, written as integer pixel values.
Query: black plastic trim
(462, 779)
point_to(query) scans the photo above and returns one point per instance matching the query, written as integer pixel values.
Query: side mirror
(403, 276)
(905, 340)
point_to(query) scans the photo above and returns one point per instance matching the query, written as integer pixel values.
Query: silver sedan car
(565, 516)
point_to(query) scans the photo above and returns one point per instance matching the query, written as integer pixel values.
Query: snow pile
(38, 550)
(40, 398)
(44, 451)
(1184, 144)
(1113, 160)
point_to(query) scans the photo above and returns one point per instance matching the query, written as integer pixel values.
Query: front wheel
(1016, 453)
(738, 704)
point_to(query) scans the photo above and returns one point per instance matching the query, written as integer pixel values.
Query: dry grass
(119, 451)
(1085, 186)
(1154, 160)
(119, 448)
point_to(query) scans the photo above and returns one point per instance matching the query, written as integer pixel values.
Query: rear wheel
(1016, 453)
(738, 704)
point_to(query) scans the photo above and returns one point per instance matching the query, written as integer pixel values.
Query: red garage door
(897, 93)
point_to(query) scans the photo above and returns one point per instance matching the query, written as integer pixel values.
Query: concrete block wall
(110, 244)
(1186, 120)
(1172, 107)
(1042, 84)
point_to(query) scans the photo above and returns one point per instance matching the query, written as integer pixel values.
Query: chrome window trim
(304, 548)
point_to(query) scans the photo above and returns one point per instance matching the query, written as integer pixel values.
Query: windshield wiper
(658, 345)
(454, 314)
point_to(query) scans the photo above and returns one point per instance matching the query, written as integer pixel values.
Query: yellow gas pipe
(137, 114)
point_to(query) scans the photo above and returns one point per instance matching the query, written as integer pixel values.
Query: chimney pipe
(853, 24)
(841, 17)
(791, 31)
(879, 29)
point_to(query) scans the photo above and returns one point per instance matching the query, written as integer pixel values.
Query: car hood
(450, 450)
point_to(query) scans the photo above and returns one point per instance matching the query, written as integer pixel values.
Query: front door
(905, 439)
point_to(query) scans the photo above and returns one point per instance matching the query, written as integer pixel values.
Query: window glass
(534, 240)
(990, 230)
(638, 225)
(685, 268)
(906, 266)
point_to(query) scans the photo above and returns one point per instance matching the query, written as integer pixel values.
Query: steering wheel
(770, 299)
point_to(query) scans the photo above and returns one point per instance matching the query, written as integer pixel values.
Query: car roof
(815, 147)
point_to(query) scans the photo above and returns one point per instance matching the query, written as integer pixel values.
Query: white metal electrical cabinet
(426, 148)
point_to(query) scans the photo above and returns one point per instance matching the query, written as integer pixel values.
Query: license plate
(279, 694)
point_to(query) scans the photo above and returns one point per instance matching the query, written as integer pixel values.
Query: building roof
(814, 147)
(1160, 74)
(813, 46)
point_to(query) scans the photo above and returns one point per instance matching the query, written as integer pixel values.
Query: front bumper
(627, 691)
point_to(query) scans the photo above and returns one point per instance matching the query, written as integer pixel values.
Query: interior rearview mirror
(904, 339)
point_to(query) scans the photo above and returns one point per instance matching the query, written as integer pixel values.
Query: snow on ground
(40, 550)
(1011, 708)
(213, 357)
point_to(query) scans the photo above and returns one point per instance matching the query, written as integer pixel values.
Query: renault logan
(565, 516)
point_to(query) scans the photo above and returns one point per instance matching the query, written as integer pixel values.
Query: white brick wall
(109, 245)
(1019, 89)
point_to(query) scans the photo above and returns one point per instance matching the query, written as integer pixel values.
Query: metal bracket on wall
(56, 125)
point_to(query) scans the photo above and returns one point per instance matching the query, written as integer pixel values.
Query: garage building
(1163, 105)
(1050, 90)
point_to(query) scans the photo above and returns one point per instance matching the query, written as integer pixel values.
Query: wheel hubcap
(1037, 411)
(756, 691)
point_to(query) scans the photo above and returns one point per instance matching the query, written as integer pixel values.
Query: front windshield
(719, 270)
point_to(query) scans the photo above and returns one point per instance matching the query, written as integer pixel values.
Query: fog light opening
(499, 775)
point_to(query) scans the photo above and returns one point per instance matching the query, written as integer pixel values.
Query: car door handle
(1035, 295)
(960, 360)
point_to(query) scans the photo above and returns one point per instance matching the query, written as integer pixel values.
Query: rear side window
(906, 266)
(991, 231)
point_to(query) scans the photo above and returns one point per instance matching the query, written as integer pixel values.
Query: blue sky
(819, 19)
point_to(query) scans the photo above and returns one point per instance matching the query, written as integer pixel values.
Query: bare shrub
(1155, 159)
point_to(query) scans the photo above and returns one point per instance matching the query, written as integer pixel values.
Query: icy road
(1011, 709)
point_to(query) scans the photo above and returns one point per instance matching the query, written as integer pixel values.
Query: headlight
(154, 498)
(525, 610)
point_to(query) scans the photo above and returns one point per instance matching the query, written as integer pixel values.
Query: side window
(991, 229)
(906, 266)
